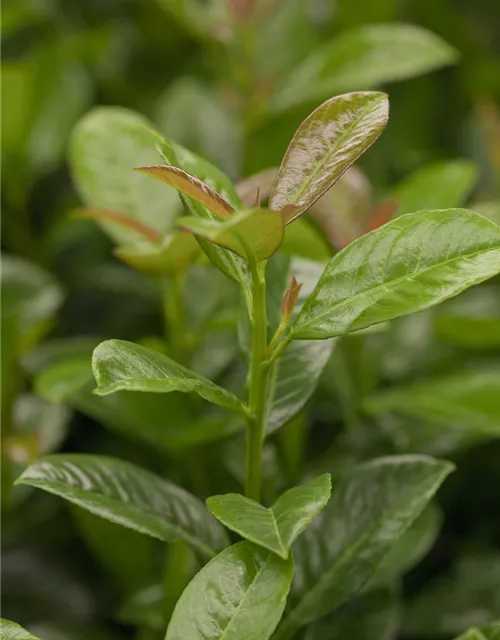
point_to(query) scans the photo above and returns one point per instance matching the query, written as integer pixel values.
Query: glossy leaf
(409, 264)
(128, 495)
(371, 507)
(364, 57)
(466, 400)
(325, 145)
(488, 632)
(466, 596)
(177, 252)
(124, 366)
(441, 185)
(372, 617)
(239, 594)
(256, 233)
(105, 147)
(189, 185)
(12, 631)
(278, 527)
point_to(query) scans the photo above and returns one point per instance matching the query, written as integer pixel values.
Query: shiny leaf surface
(409, 264)
(362, 58)
(325, 145)
(256, 233)
(128, 495)
(371, 507)
(124, 366)
(239, 594)
(278, 527)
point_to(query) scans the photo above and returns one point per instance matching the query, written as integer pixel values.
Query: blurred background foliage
(231, 80)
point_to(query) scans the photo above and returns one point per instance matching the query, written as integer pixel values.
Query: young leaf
(441, 185)
(12, 631)
(488, 632)
(127, 222)
(239, 594)
(106, 145)
(364, 57)
(177, 252)
(191, 186)
(290, 298)
(409, 264)
(128, 495)
(278, 527)
(467, 399)
(119, 365)
(256, 233)
(325, 145)
(371, 507)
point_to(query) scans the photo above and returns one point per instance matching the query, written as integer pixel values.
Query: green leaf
(256, 233)
(471, 321)
(128, 495)
(466, 596)
(124, 366)
(12, 631)
(177, 252)
(374, 616)
(371, 507)
(106, 145)
(325, 145)
(304, 240)
(278, 527)
(239, 594)
(364, 57)
(441, 185)
(409, 264)
(488, 632)
(466, 400)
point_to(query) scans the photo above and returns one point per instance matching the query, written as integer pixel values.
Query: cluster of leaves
(294, 328)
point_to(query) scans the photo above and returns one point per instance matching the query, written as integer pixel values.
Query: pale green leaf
(253, 234)
(488, 632)
(371, 507)
(124, 366)
(466, 400)
(325, 145)
(177, 252)
(363, 58)
(12, 631)
(278, 527)
(409, 264)
(239, 594)
(128, 495)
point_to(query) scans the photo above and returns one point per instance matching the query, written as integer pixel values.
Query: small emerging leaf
(290, 298)
(239, 594)
(191, 186)
(256, 233)
(119, 365)
(279, 526)
(324, 147)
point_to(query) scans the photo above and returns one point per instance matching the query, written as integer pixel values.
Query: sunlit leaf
(409, 264)
(256, 233)
(177, 252)
(325, 145)
(12, 631)
(278, 527)
(124, 366)
(128, 495)
(239, 594)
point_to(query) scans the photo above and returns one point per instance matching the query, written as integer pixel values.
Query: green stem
(258, 379)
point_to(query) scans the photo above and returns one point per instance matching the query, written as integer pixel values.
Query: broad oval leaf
(253, 234)
(12, 631)
(119, 365)
(363, 58)
(239, 594)
(409, 264)
(189, 185)
(466, 400)
(278, 527)
(128, 495)
(371, 507)
(105, 147)
(441, 185)
(325, 145)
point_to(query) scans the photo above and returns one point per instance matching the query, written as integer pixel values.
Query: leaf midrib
(384, 285)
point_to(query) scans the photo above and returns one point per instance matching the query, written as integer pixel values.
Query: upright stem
(258, 378)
